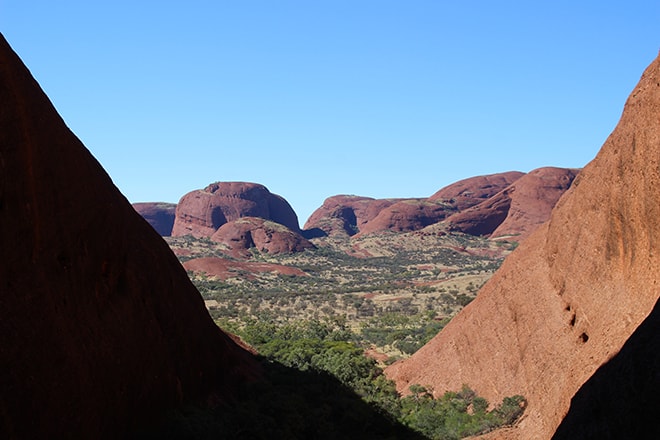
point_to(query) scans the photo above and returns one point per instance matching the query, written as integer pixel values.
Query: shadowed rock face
(159, 215)
(200, 213)
(100, 329)
(571, 295)
(620, 400)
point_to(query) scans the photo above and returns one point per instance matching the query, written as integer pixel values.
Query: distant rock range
(247, 215)
(160, 215)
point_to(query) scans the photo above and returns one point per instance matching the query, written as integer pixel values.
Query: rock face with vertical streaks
(571, 295)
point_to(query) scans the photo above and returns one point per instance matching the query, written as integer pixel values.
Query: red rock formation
(570, 296)
(344, 215)
(620, 399)
(415, 214)
(519, 209)
(408, 215)
(476, 206)
(474, 190)
(159, 215)
(484, 218)
(266, 236)
(100, 328)
(533, 197)
(222, 268)
(200, 213)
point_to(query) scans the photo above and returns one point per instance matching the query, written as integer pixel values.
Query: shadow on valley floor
(288, 404)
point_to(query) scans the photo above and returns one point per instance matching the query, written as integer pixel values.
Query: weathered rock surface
(518, 209)
(571, 295)
(619, 400)
(246, 233)
(223, 269)
(201, 213)
(100, 329)
(159, 215)
(344, 215)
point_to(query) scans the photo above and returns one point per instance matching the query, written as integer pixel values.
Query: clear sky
(315, 98)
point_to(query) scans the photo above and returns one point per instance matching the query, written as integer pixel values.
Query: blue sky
(317, 98)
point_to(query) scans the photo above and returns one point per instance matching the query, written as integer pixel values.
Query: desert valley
(505, 306)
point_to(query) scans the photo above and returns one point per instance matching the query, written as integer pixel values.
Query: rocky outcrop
(100, 329)
(159, 215)
(573, 292)
(252, 232)
(349, 215)
(483, 218)
(201, 213)
(344, 215)
(518, 209)
(477, 206)
(408, 215)
(533, 197)
(474, 190)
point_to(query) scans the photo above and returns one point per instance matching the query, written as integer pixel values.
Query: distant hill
(159, 215)
(511, 203)
(241, 215)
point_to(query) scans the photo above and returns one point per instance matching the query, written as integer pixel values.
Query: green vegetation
(327, 347)
(421, 281)
(405, 333)
(312, 332)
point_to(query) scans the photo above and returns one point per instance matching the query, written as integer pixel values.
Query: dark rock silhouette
(101, 331)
